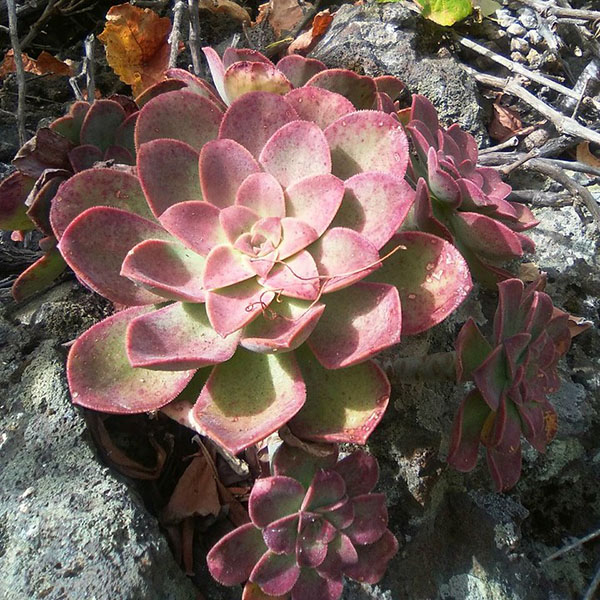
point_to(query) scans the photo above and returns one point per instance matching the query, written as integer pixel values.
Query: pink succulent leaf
(343, 256)
(95, 245)
(296, 235)
(297, 464)
(125, 134)
(276, 574)
(101, 377)
(296, 151)
(466, 432)
(280, 536)
(46, 150)
(231, 308)
(244, 77)
(341, 516)
(249, 397)
(224, 165)
(226, 266)
(234, 55)
(358, 323)
(297, 277)
(343, 405)
(464, 141)
(492, 377)
(157, 162)
(262, 193)
(527, 244)
(69, 126)
(360, 90)
(441, 184)
(119, 155)
(390, 85)
(182, 115)
(486, 236)
(217, 71)
(315, 200)
(83, 157)
(196, 224)
(506, 321)
(162, 87)
(493, 185)
(236, 220)
(360, 471)
(473, 198)
(311, 585)
(384, 103)
(176, 338)
(471, 350)
(367, 141)
(327, 488)
(423, 214)
(422, 138)
(431, 276)
(197, 85)
(14, 190)
(314, 534)
(273, 498)
(100, 122)
(319, 105)
(252, 119)
(535, 418)
(375, 205)
(370, 519)
(38, 276)
(340, 553)
(41, 197)
(285, 329)
(373, 559)
(97, 187)
(299, 69)
(232, 559)
(515, 349)
(167, 269)
(423, 110)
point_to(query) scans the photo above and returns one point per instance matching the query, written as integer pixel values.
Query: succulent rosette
(89, 133)
(512, 377)
(243, 235)
(462, 202)
(313, 522)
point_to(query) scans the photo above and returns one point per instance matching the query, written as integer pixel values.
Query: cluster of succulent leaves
(513, 375)
(313, 521)
(263, 240)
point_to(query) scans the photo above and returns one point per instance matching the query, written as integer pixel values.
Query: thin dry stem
(21, 85)
(194, 39)
(175, 37)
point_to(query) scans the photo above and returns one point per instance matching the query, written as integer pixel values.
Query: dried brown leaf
(44, 64)
(505, 123)
(226, 8)
(305, 42)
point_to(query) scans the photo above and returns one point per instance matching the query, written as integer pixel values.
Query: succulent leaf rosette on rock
(461, 202)
(314, 521)
(513, 376)
(243, 235)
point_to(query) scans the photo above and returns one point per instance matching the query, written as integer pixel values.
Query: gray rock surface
(70, 529)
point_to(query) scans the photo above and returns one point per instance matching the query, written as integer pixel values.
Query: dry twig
(21, 85)
(175, 37)
(194, 40)
(572, 546)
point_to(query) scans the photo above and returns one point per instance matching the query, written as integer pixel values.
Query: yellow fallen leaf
(137, 47)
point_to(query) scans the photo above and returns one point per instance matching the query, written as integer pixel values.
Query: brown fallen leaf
(505, 123)
(282, 15)
(585, 155)
(305, 42)
(44, 64)
(225, 8)
(137, 47)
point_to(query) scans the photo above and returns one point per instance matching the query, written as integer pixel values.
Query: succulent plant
(90, 133)
(258, 229)
(513, 375)
(460, 201)
(312, 522)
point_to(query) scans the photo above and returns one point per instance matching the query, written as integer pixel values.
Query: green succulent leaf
(445, 12)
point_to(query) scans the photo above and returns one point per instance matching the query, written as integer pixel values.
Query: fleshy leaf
(249, 397)
(14, 190)
(445, 12)
(262, 193)
(314, 533)
(226, 266)
(182, 115)
(492, 378)
(100, 123)
(360, 472)
(273, 498)
(311, 585)
(297, 277)
(296, 151)
(280, 536)
(243, 77)
(343, 405)
(161, 161)
(38, 276)
(84, 157)
(177, 337)
(358, 89)
(299, 69)
(101, 377)
(232, 559)
(367, 141)
(341, 552)
(97, 187)
(296, 463)
(471, 350)
(359, 322)
(252, 591)
(370, 519)
(326, 488)
(373, 559)
(319, 105)
(431, 276)
(276, 574)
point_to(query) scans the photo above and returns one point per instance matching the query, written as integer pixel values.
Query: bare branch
(21, 85)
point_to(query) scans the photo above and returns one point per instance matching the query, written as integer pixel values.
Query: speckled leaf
(370, 519)
(249, 397)
(38, 276)
(314, 533)
(341, 552)
(14, 190)
(326, 489)
(360, 472)
(358, 89)
(300, 465)
(318, 105)
(311, 585)
(276, 574)
(373, 559)
(162, 87)
(84, 157)
(101, 377)
(196, 85)
(273, 498)
(344, 405)
(299, 69)
(280, 536)
(297, 277)
(226, 266)
(69, 126)
(243, 77)
(100, 124)
(431, 276)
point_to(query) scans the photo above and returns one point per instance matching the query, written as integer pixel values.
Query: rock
(377, 39)
(527, 18)
(517, 30)
(534, 37)
(519, 45)
(70, 529)
(505, 18)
